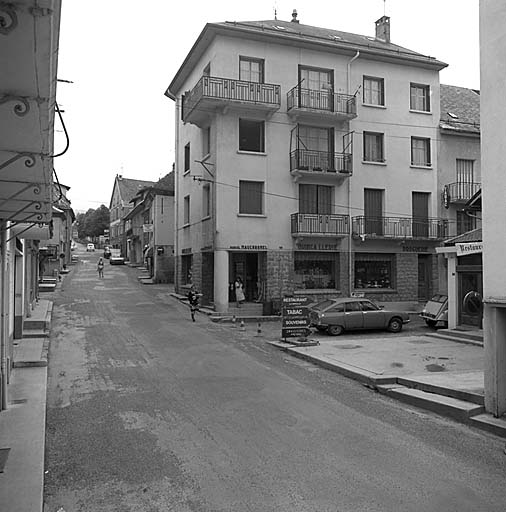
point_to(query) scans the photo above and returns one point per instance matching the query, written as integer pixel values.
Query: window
(186, 268)
(352, 306)
(187, 157)
(315, 148)
(251, 70)
(420, 214)
(374, 91)
(251, 197)
(374, 270)
(420, 151)
(316, 88)
(186, 212)
(465, 187)
(465, 223)
(368, 306)
(373, 211)
(373, 147)
(251, 135)
(315, 199)
(206, 201)
(316, 270)
(206, 141)
(420, 97)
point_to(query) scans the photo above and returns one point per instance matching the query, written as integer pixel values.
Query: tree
(93, 223)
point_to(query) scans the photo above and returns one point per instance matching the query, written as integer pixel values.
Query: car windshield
(438, 298)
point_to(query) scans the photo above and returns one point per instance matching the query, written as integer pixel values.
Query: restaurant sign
(469, 248)
(295, 317)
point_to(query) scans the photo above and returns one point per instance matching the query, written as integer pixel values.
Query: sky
(121, 56)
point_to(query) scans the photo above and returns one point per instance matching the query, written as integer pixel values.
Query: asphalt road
(148, 411)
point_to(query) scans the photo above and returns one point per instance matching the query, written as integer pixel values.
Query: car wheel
(335, 330)
(395, 325)
(431, 323)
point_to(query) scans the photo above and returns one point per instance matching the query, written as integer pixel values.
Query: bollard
(242, 328)
(259, 330)
(234, 320)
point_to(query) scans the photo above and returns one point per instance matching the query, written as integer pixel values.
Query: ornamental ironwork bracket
(8, 18)
(21, 107)
(31, 225)
(29, 162)
(21, 210)
(36, 191)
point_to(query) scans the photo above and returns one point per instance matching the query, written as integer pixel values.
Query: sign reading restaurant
(469, 248)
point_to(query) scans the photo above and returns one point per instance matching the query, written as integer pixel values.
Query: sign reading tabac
(469, 248)
(295, 317)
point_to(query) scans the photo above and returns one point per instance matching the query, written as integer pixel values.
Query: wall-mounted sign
(147, 228)
(446, 196)
(358, 295)
(469, 248)
(249, 247)
(295, 317)
(415, 248)
(187, 250)
(305, 246)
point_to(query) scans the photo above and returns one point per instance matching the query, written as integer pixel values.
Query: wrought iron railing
(231, 90)
(321, 100)
(402, 227)
(462, 191)
(320, 161)
(320, 224)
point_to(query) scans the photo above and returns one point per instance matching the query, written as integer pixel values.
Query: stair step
(428, 387)
(47, 287)
(470, 335)
(487, 422)
(455, 338)
(443, 405)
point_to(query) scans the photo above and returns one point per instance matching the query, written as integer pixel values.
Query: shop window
(375, 271)
(251, 135)
(315, 270)
(251, 197)
(186, 268)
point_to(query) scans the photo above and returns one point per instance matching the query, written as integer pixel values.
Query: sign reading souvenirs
(295, 317)
(469, 248)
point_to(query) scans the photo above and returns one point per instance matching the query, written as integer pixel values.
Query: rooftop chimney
(294, 16)
(383, 29)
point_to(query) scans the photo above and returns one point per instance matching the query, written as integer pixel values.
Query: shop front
(248, 263)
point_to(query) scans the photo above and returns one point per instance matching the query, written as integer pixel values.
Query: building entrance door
(470, 289)
(245, 266)
(424, 277)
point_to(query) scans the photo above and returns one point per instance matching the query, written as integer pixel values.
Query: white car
(90, 247)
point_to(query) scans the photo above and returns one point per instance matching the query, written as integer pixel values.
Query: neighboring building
(460, 184)
(306, 163)
(149, 229)
(493, 144)
(123, 191)
(29, 36)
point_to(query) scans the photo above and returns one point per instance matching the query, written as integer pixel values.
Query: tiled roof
(128, 188)
(460, 109)
(166, 183)
(474, 235)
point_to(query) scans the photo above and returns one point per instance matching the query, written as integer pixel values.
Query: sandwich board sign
(295, 317)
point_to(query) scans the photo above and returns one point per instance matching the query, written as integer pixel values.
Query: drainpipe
(350, 265)
(3, 318)
(177, 262)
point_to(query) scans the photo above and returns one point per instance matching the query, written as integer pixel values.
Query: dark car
(435, 312)
(350, 314)
(107, 252)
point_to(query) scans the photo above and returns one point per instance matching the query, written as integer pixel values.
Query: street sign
(295, 317)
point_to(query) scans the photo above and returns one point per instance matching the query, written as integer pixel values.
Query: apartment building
(306, 163)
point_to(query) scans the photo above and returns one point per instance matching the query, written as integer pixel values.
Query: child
(100, 267)
(193, 299)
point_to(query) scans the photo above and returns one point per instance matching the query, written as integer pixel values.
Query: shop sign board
(469, 248)
(295, 317)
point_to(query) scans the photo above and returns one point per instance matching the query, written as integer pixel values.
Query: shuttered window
(251, 197)
(373, 211)
(315, 199)
(373, 147)
(420, 151)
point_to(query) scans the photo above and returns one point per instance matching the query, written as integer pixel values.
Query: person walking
(239, 291)
(193, 299)
(100, 268)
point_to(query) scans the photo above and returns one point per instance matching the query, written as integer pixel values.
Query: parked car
(90, 247)
(115, 257)
(107, 252)
(435, 312)
(349, 314)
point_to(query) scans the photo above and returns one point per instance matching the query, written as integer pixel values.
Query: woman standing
(239, 291)
(100, 267)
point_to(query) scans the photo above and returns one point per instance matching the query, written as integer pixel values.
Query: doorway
(424, 277)
(245, 266)
(470, 293)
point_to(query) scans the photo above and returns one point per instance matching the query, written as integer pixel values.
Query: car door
(374, 318)
(353, 317)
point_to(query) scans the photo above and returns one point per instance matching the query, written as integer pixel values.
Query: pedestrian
(100, 267)
(239, 291)
(193, 299)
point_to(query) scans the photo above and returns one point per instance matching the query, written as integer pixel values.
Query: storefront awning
(32, 232)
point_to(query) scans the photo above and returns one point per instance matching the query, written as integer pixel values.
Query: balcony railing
(226, 90)
(320, 161)
(461, 192)
(402, 227)
(315, 224)
(322, 101)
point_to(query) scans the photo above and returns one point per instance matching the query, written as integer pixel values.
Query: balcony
(212, 93)
(402, 228)
(320, 105)
(320, 164)
(316, 224)
(460, 192)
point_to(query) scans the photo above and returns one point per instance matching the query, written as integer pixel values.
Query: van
(435, 312)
